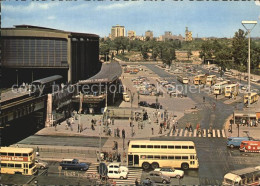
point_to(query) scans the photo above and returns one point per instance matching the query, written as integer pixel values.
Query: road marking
(204, 133)
(218, 133)
(214, 134)
(176, 132)
(190, 134)
(171, 132)
(185, 133)
(223, 133)
(195, 133)
(209, 135)
(181, 132)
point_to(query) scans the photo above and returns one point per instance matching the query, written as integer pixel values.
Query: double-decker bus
(231, 90)
(245, 176)
(250, 146)
(154, 154)
(15, 160)
(252, 97)
(211, 80)
(200, 79)
(219, 88)
(183, 79)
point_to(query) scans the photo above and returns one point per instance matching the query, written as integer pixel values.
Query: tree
(168, 56)
(239, 46)
(144, 51)
(104, 50)
(189, 54)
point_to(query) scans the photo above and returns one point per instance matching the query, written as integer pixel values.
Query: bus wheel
(232, 146)
(155, 165)
(145, 165)
(185, 166)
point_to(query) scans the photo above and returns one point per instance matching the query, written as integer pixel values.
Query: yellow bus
(183, 79)
(200, 79)
(253, 97)
(219, 88)
(15, 160)
(211, 80)
(154, 154)
(231, 90)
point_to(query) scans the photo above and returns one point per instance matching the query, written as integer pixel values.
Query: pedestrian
(118, 132)
(159, 114)
(198, 126)
(78, 128)
(203, 99)
(152, 132)
(136, 182)
(216, 96)
(113, 121)
(37, 151)
(187, 126)
(108, 121)
(123, 133)
(190, 128)
(162, 115)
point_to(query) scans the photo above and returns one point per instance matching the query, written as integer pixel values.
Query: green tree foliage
(168, 54)
(189, 54)
(239, 46)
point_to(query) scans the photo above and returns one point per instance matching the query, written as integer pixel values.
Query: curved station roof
(109, 72)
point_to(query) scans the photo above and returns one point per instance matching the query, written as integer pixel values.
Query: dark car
(148, 183)
(156, 105)
(143, 104)
(73, 164)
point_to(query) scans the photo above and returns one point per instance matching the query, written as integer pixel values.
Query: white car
(41, 164)
(114, 174)
(168, 171)
(117, 167)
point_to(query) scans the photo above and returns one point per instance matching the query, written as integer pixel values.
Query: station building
(33, 52)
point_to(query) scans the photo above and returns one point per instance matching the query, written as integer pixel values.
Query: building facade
(31, 52)
(149, 34)
(131, 34)
(188, 35)
(117, 31)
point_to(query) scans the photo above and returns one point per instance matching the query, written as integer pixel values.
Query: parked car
(73, 164)
(117, 167)
(156, 105)
(168, 171)
(115, 174)
(143, 104)
(126, 98)
(157, 176)
(41, 164)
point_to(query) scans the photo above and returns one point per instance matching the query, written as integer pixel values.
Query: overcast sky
(205, 19)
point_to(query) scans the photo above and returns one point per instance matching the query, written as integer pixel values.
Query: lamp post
(132, 98)
(246, 25)
(16, 77)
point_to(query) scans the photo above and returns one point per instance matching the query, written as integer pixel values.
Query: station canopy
(109, 72)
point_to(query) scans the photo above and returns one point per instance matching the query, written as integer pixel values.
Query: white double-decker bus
(154, 154)
(183, 79)
(211, 80)
(219, 88)
(231, 90)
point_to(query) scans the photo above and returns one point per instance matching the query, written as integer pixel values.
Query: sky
(203, 18)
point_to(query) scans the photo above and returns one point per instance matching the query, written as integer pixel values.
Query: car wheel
(66, 168)
(184, 166)
(178, 176)
(232, 146)
(155, 165)
(121, 177)
(164, 181)
(148, 179)
(146, 165)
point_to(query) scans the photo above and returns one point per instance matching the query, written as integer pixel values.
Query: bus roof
(147, 142)
(244, 171)
(16, 150)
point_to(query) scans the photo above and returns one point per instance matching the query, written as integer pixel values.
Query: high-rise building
(188, 35)
(117, 31)
(131, 34)
(149, 34)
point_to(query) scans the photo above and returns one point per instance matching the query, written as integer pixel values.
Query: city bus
(200, 79)
(231, 90)
(211, 80)
(219, 88)
(183, 79)
(15, 160)
(250, 146)
(245, 176)
(153, 154)
(252, 96)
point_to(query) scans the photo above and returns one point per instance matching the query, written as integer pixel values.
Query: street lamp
(249, 25)
(132, 98)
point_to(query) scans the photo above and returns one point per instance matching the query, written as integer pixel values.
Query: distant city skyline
(204, 19)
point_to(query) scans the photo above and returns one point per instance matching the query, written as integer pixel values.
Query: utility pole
(132, 98)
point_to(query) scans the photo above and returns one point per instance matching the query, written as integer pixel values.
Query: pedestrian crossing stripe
(132, 176)
(204, 133)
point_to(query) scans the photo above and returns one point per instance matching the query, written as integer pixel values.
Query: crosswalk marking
(195, 133)
(185, 133)
(218, 132)
(223, 133)
(176, 132)
(180, 134)
(204, 133)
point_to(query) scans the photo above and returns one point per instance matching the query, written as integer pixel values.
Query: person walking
(152, 132)
(136, 182)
